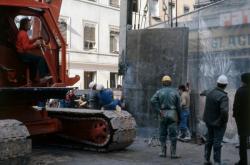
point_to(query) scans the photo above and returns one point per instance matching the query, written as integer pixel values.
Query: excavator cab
(15, 73)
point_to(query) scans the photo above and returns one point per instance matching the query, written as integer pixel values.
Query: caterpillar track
(97, 130)
(15, 146)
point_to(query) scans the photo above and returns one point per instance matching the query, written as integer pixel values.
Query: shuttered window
(114, 42)
(114, 3)
(89, 37)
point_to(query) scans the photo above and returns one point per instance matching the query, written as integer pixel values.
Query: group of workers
(173, 108)
(97, 98)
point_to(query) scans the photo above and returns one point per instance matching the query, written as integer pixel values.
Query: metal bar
(129, 12)
(139, 11)
(171, 10)
(135, 20)
(176, 16)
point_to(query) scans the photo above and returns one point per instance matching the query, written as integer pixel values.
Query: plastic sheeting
(219, 43)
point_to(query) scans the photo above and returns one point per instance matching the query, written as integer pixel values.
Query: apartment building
(91, 31)
(151, 12)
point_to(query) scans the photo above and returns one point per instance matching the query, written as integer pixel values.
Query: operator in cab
(24, 45)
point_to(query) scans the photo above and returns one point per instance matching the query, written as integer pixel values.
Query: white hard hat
(92, 84)
(222, 79)
(99, 87)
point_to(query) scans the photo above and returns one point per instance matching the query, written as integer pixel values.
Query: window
(154, 8)
(89, 36)
(113, 80)
(186, 9)
(114, 41)
(135, 5)
(171, 7)
(63, 24)
(114, 3)
(89, 77)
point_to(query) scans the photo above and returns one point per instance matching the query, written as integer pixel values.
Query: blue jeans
(184, 119)
(112, 105)
(35, 63)
(214, 138)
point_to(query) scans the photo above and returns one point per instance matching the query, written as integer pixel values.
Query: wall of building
(105, 17)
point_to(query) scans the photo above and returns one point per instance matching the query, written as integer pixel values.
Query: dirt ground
(139, 153)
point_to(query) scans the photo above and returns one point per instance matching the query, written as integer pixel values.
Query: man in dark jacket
(241, 113)
(166, 101)
(216, 117)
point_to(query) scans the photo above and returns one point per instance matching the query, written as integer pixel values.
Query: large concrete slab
(151, 53)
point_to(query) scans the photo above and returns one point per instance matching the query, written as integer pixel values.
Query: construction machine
(19, 121)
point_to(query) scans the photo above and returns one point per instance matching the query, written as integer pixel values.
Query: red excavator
(19, 121)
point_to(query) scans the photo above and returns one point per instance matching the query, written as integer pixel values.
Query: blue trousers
(184, 119)
(112, 105)
(214, 138)
(36, 63)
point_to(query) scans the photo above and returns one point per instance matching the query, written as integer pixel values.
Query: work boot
(207, 163)
(163, 152)
(173, 151)
(240, 163)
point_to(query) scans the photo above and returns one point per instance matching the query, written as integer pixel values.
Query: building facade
(151, 12)
(91, 31)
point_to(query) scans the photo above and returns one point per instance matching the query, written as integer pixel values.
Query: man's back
(241, 109)
(167, 98)
(216, 108)
(105, 97)
(185, 99)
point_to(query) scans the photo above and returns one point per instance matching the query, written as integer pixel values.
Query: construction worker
(216, 117)
(23, 47)
(241, 113)
(185, 104)
(93, 102)
(106, 100)
(166, 101)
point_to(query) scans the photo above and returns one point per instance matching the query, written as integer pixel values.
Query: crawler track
(98, 130)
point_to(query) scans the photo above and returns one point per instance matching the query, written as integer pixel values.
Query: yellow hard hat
(166, 78)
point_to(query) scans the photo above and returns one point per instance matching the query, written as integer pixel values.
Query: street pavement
(141, 152)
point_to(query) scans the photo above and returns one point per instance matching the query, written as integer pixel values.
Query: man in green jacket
(166, 101)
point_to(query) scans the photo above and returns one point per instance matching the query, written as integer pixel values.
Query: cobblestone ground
(140, 153)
